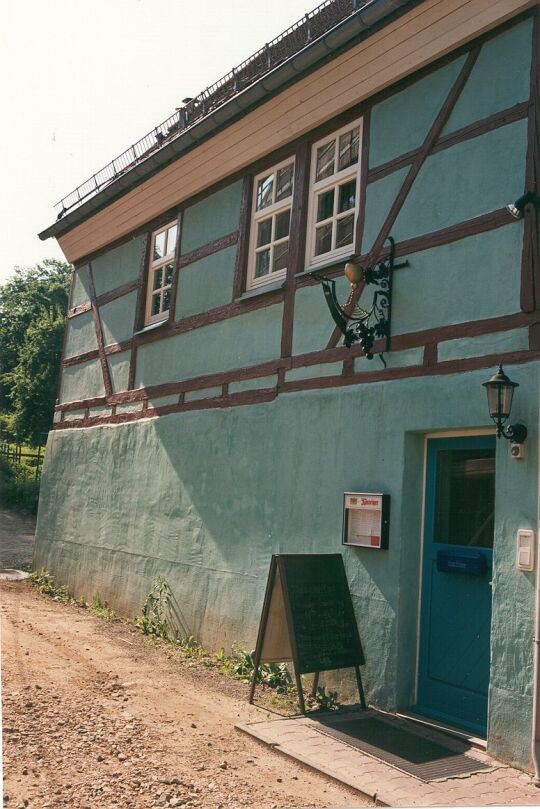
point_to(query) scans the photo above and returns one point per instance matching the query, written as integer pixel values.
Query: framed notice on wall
(366, 519)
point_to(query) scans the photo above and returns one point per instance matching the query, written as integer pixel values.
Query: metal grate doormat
(389, 741)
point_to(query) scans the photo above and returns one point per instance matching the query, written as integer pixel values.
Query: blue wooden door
(455, 624)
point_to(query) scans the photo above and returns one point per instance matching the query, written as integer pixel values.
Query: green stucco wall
(275, 483)
(205, 497)
(118, 266)
(216, 215)
(80, 291)
(237, 342)
(117, 318)
(206, 284)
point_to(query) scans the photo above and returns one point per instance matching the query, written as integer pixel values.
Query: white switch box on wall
(525, 549)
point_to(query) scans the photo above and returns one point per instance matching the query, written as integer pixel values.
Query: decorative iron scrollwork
(360, 325)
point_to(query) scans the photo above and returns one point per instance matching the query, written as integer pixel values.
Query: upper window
(160, 273)
(270, 224)
(333, 203)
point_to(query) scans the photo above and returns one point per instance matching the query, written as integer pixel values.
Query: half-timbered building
(209, 413)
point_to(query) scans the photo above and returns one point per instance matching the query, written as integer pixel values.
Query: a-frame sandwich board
(308, 619)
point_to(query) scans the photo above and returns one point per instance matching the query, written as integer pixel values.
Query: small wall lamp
(517, 208)
(500, 392)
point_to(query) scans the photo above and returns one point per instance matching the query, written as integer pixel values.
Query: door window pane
(465, 497)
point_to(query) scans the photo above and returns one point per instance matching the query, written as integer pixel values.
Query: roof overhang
(361, 24)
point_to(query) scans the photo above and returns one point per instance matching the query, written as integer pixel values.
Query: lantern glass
(500, 400)
(500, 392)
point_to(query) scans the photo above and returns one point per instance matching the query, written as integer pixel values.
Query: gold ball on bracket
(354, 272)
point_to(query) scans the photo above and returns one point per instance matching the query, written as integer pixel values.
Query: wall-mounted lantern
(359, 325)
(500, 392)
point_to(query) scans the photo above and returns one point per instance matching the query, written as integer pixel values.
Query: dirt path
(96, 716)
(16, 539)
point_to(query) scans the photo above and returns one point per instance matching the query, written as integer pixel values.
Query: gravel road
(94, 715)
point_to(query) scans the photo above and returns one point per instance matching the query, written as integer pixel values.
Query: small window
(333, 203)
(270, 224)
(160, 273)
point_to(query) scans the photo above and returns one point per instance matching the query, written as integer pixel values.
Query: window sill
(151, 326)
(262, 290)
(332, 264)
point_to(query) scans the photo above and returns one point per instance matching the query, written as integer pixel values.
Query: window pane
(282, 224)
(323, 239)
(158, 279)
(156, 301)
(169, 272)
(347, 196)
(325, 205)
(281, 256)
(264, 232)
(264, 192)
(325, 161)
(465, 497)
(166, 300)
(171, 240)
(159, 246)
(262, 263)
(348, 148)
(344, 233)
(284, 182)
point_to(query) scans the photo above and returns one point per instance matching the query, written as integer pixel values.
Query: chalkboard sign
(308, 618)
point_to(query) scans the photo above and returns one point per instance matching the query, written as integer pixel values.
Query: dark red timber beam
(530, 259)
(428, 144)
(99, 333)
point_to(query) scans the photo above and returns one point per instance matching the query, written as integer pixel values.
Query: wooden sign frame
(277, 640)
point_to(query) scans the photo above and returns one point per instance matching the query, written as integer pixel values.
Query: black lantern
(500, 392)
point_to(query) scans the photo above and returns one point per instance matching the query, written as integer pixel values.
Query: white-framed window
(270, 224)
(160, 273)
(333, 195)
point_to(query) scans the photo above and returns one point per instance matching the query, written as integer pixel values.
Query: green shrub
(18, 489)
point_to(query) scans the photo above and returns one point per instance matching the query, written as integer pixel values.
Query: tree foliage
(33, 304)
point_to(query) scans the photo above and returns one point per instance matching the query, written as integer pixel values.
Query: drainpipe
(535, 746)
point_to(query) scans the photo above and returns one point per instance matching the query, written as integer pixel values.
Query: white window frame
(265, 213)
(334, 181)
(153, 267)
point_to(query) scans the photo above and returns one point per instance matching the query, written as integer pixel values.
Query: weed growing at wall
(44, 582)
(238, 664)
(153, 620)
(100, 609)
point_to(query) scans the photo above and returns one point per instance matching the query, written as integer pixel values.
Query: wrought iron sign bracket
(361, 325)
